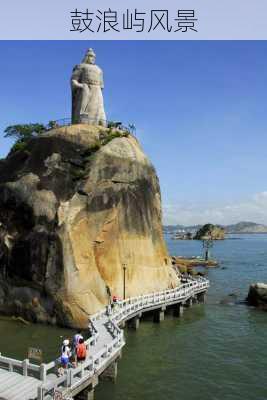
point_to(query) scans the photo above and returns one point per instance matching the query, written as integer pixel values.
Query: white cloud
(254, 209)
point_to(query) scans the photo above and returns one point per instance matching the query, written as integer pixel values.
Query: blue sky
(200, 109)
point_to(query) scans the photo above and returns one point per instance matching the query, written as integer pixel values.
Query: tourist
(114, 298)
(65, 354)
(75, 342)
(108, 310)
(115, 301)
(91, 329)
(81, 351)
(108, 293)
(76, 339)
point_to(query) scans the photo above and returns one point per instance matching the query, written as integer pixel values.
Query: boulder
(257, 295)
(79, 207)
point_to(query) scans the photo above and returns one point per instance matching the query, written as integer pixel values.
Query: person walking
(81, 351)
(65, 354)
(91, 329)
(76, 338)
(75, 342)
(108, 293)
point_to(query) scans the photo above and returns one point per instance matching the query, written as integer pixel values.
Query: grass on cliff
(113, 134)
(105, 138)
(91, 150)
(23, 133)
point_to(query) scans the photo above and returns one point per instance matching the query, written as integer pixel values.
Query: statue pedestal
(84, 119)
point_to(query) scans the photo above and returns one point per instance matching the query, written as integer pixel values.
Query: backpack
(81, 350)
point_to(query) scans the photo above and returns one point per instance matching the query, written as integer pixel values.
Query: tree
(52, 125)
(207, 244)
(23, 133)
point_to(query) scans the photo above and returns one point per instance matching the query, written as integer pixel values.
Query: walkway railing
(126, 307)
(109, 124)
(40, 372)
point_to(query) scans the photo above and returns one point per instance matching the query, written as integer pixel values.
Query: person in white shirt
(65, 353)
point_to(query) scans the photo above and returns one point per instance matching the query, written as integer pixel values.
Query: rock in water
(257, 295)
(210, 231)
(75, 206)
(230, 299)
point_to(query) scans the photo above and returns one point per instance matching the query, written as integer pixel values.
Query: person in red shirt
(81, 351)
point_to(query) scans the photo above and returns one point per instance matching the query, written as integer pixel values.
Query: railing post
(40, 393)
(66, 381)
(43, 372)
(106, 353)
(82, 371)
(25, 364)
(70, 380)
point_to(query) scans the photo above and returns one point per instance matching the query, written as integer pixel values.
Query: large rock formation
(75, 205)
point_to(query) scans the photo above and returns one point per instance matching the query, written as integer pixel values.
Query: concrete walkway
(104, 348)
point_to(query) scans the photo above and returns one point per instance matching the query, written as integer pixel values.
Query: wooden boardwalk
(20, 380)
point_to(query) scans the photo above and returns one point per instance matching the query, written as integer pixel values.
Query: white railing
(123, 310)
(74, 377)
(24, 367)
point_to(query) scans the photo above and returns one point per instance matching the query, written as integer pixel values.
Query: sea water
(216, 351)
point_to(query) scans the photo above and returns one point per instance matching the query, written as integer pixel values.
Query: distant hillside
(246, 227)
(240, 227)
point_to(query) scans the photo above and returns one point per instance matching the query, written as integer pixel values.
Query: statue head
(89, 57)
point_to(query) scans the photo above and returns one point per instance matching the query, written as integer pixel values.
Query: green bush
(18, 146)
(23, 133)
(112, 135)
(91, 150)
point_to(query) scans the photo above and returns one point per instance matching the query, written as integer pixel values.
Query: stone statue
(87, 99)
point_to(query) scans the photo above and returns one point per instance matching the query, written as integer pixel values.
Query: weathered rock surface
(257, 295)
(210, 231)
(75, 206)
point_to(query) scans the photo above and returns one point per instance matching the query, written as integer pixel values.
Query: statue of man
(87, 99)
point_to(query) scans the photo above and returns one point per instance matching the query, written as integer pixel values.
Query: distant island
(239, 228)
(205, 232)
(210, 231)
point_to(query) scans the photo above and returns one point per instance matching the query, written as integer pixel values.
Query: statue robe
(87, 102)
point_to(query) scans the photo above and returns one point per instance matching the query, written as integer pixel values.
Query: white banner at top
(133, 20)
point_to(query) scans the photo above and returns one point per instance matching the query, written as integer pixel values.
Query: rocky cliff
(75, 205)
